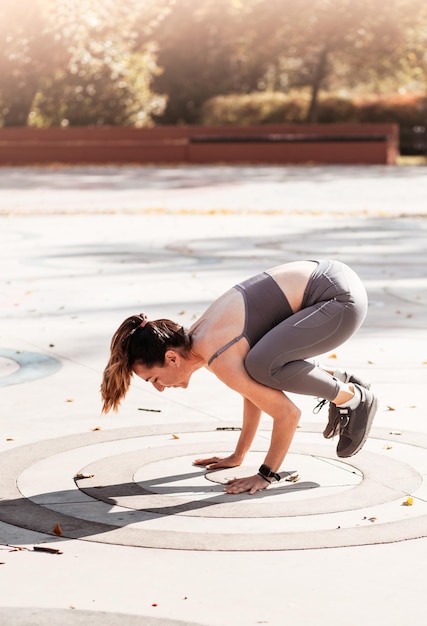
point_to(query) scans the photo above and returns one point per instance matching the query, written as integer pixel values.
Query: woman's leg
(279, 359)
(335, 306)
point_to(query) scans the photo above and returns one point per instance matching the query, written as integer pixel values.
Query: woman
(259, 338)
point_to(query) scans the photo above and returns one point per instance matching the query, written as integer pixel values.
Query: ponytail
(137, 340)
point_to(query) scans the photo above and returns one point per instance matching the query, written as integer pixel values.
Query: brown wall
(268, 144)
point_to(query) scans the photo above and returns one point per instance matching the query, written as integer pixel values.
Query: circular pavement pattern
(18, 367)
(138, 487)
(14, 616)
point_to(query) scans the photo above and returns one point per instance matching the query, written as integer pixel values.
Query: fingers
(252, 484)
(203, 462)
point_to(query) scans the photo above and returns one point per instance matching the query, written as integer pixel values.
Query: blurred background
(155, 62)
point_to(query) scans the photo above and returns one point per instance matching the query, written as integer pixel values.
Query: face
(171, 374)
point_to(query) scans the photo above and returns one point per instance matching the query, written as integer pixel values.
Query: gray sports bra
(265, 306)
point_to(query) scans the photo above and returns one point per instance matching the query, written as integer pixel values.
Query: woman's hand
(251, 484)
(216, 462)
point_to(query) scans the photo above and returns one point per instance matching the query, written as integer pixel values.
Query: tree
(28, 51)
(74, 63)
(205, 48)
(217, 47)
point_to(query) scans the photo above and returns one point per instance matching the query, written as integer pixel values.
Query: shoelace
(319, 406)
(344, 417)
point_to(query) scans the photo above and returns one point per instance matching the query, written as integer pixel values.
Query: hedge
(265, 108)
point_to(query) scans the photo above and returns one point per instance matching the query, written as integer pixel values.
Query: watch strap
(266, 472)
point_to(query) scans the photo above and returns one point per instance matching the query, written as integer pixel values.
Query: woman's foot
(355, 424)
(333, 426)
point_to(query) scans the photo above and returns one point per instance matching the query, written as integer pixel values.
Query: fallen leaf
(409, 501)
(47, 549)
(57, 530)
(292, 478)
(17, 549)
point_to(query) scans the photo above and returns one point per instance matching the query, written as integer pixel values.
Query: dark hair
(138, 340)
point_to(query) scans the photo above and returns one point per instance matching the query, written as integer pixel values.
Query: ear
(172, 357)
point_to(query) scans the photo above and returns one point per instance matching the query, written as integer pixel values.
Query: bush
(255, 108)
(407, 110)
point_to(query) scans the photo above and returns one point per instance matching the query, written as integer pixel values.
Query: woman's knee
(257, 367)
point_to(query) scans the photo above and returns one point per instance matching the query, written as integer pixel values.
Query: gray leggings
(334, 306)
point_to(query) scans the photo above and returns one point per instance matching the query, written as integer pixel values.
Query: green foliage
(256, 108)
(78, 62)
(406, 110)
(28, 45)
(99, 94)
(75, 63)
(267, 108)
(219, 47)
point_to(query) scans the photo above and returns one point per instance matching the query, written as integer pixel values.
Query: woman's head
(138, 341)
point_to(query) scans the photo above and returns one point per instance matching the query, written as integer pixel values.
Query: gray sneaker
(333, 425)
(356, 424)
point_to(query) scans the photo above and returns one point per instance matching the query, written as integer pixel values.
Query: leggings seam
(314, 312)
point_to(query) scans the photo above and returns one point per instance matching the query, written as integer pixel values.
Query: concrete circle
(7, 367)
(148, 495)
(29, 366)
(18, 616)
(122, 505)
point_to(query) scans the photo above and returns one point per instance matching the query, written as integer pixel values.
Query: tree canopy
(139, 62)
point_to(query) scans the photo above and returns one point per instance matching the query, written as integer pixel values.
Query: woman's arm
(273, 402)
(251, 419)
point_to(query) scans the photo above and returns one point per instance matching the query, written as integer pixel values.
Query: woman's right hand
(216, 462)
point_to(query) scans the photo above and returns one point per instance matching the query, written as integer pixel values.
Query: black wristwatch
(267, 473)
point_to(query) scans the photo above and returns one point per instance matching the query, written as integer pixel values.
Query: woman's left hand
(250, 483)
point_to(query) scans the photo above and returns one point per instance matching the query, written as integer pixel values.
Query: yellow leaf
(292, 478)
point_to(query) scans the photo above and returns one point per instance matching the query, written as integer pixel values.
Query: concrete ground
(146, 538)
